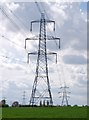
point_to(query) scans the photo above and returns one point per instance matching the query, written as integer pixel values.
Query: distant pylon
(41, 91)
(24, 98)
(64, 95)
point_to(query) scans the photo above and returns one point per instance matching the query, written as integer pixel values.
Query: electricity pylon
(24, 98)
(41, 92)
(64, 96)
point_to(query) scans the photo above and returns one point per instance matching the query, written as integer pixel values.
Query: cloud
(74, 59)
(69, 28)
(13, 6)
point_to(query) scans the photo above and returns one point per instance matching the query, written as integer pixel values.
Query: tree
(15, 104)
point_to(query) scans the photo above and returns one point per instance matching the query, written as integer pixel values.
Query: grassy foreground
(0, 113)
(45, 112)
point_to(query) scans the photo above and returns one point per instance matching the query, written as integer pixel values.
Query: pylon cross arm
(48, 38)
(31, 38)
(35, 53)
(54, 38)
(32, 53)
(53, 53)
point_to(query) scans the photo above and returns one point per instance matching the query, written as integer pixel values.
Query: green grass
(45, 112)
(0, 113)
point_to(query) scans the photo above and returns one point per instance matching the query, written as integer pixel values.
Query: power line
(17, 46)
(16, 60)
(4, 13)
(18, 18)
(11, 58)
(3, 36)
(14, 23)
(11, 20)
(38, 6)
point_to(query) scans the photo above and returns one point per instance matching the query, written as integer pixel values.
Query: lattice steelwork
(41, 93)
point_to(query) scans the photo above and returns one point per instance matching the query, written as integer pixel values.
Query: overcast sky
(71, 26)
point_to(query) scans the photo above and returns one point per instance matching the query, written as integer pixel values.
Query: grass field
(45, 112)
(0, 113)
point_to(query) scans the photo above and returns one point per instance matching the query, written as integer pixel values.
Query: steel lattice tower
(41, 92)
(64, 96)
(24, 98)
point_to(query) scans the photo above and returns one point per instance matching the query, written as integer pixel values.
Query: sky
(16, 76)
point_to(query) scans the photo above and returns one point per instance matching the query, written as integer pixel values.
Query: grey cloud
(83, 82)
(73, 30)
(74, 59)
